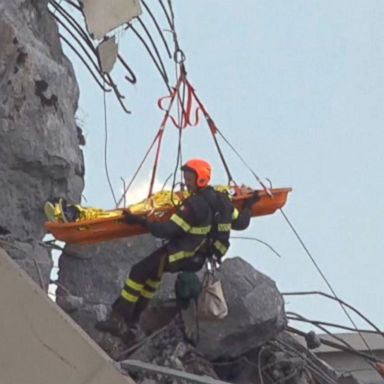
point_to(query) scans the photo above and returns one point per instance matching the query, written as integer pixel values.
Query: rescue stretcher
(112, 226)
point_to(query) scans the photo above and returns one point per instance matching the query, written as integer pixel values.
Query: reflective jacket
(202, 223)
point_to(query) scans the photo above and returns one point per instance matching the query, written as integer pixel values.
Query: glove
(129, 218)
(252, 200)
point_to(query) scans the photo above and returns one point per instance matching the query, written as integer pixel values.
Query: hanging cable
(375, 327)
(213, 129)
(323, 276)
(258, 240)
(137, 170)
(265, 188)
(106, 147)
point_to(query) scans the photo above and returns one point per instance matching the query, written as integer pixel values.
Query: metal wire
(132, 77)
(85, 38)
(71, 20)
(341, 347)
(368, 358)
(327, 324)
(342, 341)
(106, 147)
(323, 276)
(166, 14)
(311, 366)
(237, 153)
(84, 62)
(259, 365)
(160, 61)
(258, 240)
(340, 301)
(164, 76)
(158, 28)
(118, 95)
(137, 170)
(74, 5)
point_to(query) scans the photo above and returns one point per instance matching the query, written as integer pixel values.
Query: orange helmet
(201, 169)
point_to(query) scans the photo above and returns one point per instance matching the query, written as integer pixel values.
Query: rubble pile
(249, 342)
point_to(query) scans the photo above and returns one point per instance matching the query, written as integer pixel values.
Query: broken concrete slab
(101, 19)
(256, 312)
(39, 342)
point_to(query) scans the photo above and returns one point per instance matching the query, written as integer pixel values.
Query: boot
(114, 323)
(140, 307)
(58, 211)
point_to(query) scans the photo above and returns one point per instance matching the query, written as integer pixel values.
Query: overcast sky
(298, 89)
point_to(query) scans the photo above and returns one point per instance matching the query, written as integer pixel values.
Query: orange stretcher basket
(109, 228)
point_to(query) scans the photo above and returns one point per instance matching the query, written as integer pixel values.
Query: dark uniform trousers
(145, 278)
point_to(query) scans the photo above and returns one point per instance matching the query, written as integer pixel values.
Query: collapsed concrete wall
(40, 155)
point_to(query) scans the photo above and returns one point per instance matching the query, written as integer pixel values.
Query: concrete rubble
(232, 349)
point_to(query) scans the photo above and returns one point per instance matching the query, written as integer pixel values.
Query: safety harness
(223, 213)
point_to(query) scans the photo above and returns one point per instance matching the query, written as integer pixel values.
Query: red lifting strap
(159, 135)
(187, 108)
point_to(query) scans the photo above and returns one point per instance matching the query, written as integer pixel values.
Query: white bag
(211, 304)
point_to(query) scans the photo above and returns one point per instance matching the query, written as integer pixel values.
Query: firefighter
(199, 229)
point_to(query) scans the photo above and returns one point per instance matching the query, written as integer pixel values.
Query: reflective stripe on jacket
(203, 223)
(194, 220)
